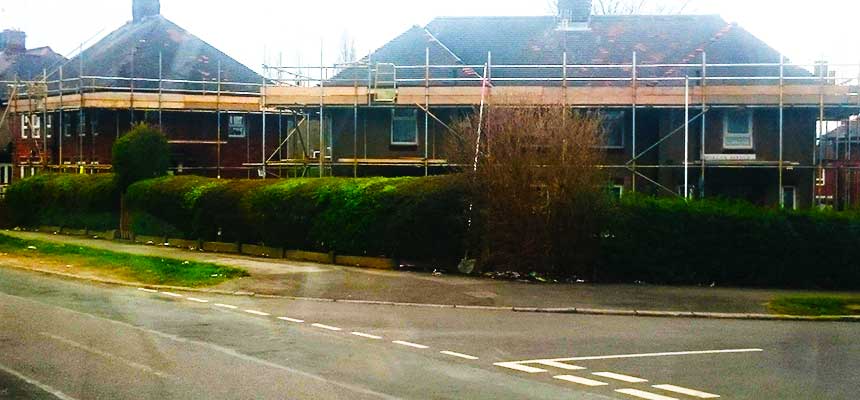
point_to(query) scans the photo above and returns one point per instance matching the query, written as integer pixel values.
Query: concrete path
(301, 279)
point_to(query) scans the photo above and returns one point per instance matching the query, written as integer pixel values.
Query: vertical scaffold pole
(781, 128)
(703, 152)
(633, 110)
(322, 110)
(427, 111)
(263, 103)
(218, 122)
(686, 137)
(61, 122)
(160, 88)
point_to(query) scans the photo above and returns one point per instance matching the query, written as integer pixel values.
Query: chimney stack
(145, 8)
(13, 41)
(575, 11)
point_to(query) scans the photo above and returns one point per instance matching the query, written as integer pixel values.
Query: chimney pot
(145, 8)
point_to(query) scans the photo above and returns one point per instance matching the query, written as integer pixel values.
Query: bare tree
(347, 52)
(632, 7)
(539, 194)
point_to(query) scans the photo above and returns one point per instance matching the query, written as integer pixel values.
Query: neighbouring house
(149, 70)
(749, 117)
(17, 63)
(837, 179)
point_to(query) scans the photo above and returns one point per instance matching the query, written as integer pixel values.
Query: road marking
(107, 355)
(644, 355)
(619, 377)
(688, 392)
(643, 395)
(197, 300)
(519, 367)
(56, 393)
(410, 344)
(560, 365)
(461, 355)
(226, 306)
(172, 294)
(147, 290)
(327, 327)
(288, 319)
(365, 335)
(581, 381)
(260, 313)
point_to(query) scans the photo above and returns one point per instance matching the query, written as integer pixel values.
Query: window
(68, 125)
(789, 197)
(821, 177)
(35, 126)
(738, 130)
(25, 126)
(616, 192)
(49, 126)
(690, 192)
(613, 130)
(94, 125)
(237, 127)
(404, 127)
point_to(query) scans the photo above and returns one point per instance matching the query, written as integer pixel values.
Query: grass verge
(142, 269)
(816, 305)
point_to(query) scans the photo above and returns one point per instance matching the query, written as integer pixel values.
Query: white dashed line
(643, 395)
(172, 294)
(197, 300)
(560, 365)
(461, 355)
(688, 392)
(147, 290)
(519, 367)
(327, 327)
(410, 344)
(619, 377)
(581, 381)
(288, 319)
(227, 306)
(368, 336)
(260, 313)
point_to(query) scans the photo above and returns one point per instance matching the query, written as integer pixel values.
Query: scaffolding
(303, 95)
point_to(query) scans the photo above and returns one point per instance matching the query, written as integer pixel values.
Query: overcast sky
(804, 30)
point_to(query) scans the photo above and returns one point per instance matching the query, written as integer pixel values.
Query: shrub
(167, 205)
(66, 200)
(142, 153)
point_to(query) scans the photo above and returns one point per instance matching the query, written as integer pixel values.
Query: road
(72, 340)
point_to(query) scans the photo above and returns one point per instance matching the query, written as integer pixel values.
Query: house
(17, 63)
(749, 117)
(149, 70)
(837, 178)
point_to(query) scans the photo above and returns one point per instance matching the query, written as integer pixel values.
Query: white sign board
(730, 157)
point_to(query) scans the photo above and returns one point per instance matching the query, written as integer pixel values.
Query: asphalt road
(70, 340)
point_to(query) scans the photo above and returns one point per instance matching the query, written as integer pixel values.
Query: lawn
(816, 305)
(142, 269)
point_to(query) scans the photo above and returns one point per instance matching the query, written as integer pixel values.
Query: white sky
(805, 30)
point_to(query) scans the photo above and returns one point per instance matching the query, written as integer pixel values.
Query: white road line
(108, 356)
(368, 336)
(172, 294)
(56, 393)
(619, 377)
(288, 319)
(461, 355)
(227, 306)
(688, 392)
(260, 313)
(519, 367)
(410, 344)
(147, 290)
(197, 300)
(645, 355)
(581, 381)
(327, 327)
(560, 365)
(643, 395)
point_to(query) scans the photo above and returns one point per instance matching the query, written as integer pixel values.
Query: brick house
(752, 116)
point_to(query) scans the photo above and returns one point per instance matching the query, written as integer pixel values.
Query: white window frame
(395, 118)
(49, 125)
(620, 116)
(619, 188)
(821, 177)
(750, 133)
(35, 126)
(230, 126)
(793, 195)
(25, 126)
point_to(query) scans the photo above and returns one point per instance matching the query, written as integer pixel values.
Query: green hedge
(166, 206)
(666, 241)
(65, 200)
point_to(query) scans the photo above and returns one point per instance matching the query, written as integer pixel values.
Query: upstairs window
(237, 126)
(613, 130)
(25, 126)
(404, 127)
(35, 126)
(738, 130)
(49, 126)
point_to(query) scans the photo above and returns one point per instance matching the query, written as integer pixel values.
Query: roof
(29, 64)
(656, 39)
(840, 131)
(134, 49)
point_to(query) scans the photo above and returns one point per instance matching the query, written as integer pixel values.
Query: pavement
(73, 340)
(321, 281)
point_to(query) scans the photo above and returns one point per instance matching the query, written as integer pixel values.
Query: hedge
(65, 200)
